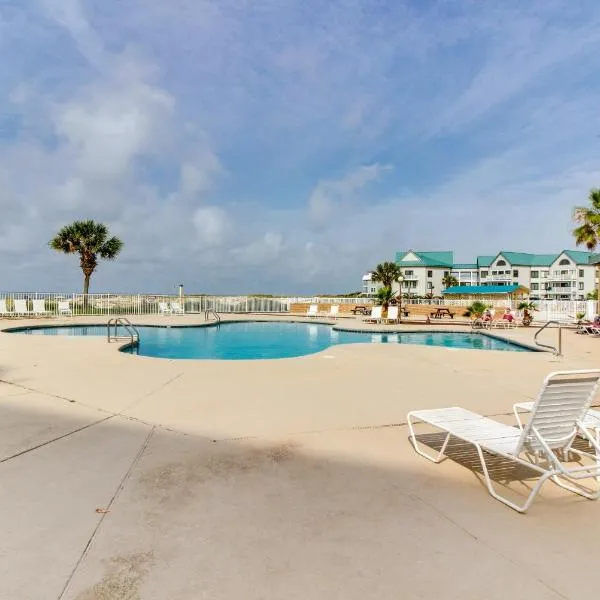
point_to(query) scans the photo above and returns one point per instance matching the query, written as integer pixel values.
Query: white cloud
(263, 251)
(112, 125)
(331, 196)
(217, 131)
(212, 225)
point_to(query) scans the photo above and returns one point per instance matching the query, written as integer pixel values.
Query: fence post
(590, 309)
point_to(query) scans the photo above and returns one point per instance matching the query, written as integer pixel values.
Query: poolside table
(440, 313)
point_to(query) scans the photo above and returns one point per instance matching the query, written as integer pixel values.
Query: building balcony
(496, 279)
(412, 277)
(568, 285)
(562, 276)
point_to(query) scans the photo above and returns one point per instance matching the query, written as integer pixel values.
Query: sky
(288, 146)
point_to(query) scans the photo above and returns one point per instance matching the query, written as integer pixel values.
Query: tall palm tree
(387, 273)
(587, 219)
(449, 281)
(90, 240)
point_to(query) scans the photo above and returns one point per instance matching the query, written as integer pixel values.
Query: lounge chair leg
(433, 458)
(524, 507)
(576, 488)
(518, 418)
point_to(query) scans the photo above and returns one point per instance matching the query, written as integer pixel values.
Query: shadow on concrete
(297, 518)
(500, 469)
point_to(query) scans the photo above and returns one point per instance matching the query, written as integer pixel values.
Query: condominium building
(370, 287)
(568, 275)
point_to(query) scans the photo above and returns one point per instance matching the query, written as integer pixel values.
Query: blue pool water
(253, 339)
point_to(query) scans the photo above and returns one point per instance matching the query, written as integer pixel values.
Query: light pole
(181, 297)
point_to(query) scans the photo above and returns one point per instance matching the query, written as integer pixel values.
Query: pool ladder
(132, 333)
(557, 350)
(210, 311)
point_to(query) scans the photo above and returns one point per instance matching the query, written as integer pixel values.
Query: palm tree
(528, 308)
(476, 309)
(588, 219)
(449, 281)
(388, 273)
(90, 240)
(384, 297)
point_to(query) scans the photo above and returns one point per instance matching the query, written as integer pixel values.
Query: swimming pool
(255, 339)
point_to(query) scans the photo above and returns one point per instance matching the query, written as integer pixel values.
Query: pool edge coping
(334, 326)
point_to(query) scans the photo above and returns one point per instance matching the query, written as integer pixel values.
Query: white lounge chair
(164, 309)
(557, 417)
(375, 316)
(313, 310)
(334, 311)
(177, 309)
(392, 314)
(4, 312)
(21, 308)
(39, 308)
(64, 309)
(591, 420)
(587, 329)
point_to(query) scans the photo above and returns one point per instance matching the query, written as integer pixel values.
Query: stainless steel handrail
(557, 350)
(134, 334)
(210, 311)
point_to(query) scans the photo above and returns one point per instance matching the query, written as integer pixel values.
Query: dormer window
(565, 261)
(501, 263)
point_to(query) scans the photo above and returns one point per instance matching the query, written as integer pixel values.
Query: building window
(408, 272)
(429, 273)
(501, 263)
(581, 285)
(565, 261)
(535, 286)
(446, 273)
(484, 273)
(515, 273)
(581, 274)
(535, 275)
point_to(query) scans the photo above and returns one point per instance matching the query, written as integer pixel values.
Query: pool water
(254, 340)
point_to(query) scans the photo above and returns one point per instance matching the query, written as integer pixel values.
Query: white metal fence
(145, 304)
(137, 304)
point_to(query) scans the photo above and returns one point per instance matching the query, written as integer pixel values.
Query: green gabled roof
(427, 259)
(526, 259)
(594, 259)
(465, 290)
(465, 266)
(542, 260)
(485, 261)
(517, 259)
(578, 256)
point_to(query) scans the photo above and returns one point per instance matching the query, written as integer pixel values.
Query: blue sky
(287, 146)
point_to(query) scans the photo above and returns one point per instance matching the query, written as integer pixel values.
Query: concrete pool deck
(126, 477)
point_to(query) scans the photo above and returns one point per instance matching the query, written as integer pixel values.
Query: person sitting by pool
(508, 316)
(487, 315)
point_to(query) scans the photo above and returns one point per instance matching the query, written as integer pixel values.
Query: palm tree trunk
(86, 287)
